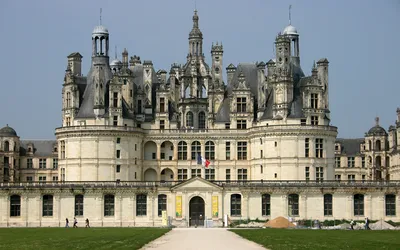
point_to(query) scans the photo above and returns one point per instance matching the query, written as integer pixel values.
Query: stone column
(158, 153)
(175, 157)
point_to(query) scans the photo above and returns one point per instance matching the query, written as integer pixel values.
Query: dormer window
(55, 150)
(30, 149)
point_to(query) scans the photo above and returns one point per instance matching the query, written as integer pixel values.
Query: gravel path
(202, 239)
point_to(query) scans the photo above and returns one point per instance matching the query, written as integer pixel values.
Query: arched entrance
(196, 211)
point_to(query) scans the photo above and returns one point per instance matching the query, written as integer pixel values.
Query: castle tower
(195, 38)
(291, 33)
(75, 63)
(217, 52)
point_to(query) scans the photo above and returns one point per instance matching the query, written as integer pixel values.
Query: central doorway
(196, 211)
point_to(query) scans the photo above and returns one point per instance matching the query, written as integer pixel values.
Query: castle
(136, 142)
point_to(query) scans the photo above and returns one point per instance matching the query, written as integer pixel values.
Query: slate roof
(41, 148)
(223, 114)
(249, 71)
(350, 146)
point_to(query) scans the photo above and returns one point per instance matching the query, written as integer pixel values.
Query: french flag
(202, 161)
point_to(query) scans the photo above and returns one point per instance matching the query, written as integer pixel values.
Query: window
(6, 146)
(78, 205)
(182, 174)
(227, 125)
(115, 121)
(307, 173)
(337, 162)
(319, 147)
(293, 201)
(42, 178)
(162, 105)
(115, 100)
(47, 206)
(135, 160)
(242, 150)
(307, 147)
(182, 150)
(378, 145)
(241, 124)
(363, 162)
(29, 179)
(118, 169)
(196, 172)
(196, 149)
(119, 140)
(390, 203)
(350, 162)
(363, 177)
(141, 205)
(210, 150)
(109, 205)
(327, 205)
(227, 174)
(242, 174)
(202, 120)
(135, 147)
(29, 163)
(162, 203)
(261, 154)
(303, 122)
(62, 149)
(241, 104)
(338, 177)
(162, 124)
(62, 174)
(15, 205)
(68, 121)
(314, 101)
(131, 95)
(55, 163)
(42, 163)
(68, 100)
(118, 153)
(153, 156)
(266, 205)
(358, 205)
(228, 150)
(236, 205)
(210, 174)
(261, 169)
(319, 174)
(314, 120)
(189, 119)
(55, 178)
(351, 177)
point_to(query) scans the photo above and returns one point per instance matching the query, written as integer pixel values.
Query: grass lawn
(77, 238)
(322, 239)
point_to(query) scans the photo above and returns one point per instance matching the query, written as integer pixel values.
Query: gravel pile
(381, 225)
(279, 222)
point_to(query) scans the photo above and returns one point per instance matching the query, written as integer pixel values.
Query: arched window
(182, 150)
(141, 205)
(202, 120)
(369, 145)
(266, 205)
(6, 146)
(236, 205)
(358, 205)
(15, 205)
(108, 205)
(189, 119)
(210, 150)
(327, 205)
(378, 161)
(196, 149)
(78, 205)
(47, 206)
(390, 204)
(378, 145)
(162, 203)
(293, 202)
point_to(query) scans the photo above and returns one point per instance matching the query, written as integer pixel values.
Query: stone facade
(135, 142)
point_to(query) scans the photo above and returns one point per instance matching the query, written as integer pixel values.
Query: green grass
(322, 239)
(77, 238)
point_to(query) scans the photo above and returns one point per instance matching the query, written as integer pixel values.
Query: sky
(359, 38)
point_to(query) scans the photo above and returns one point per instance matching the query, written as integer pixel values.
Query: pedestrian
(75, 222)
(66, 222)
(87, 223)
(352, 224)
(367, 223)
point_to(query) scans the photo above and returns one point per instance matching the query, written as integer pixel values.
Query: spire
(290, 17)
(195, 20)
(100, 15)
(377, 121)
(116, 57)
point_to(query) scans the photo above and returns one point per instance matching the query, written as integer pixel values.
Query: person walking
(87, 223)
(75, 222)
(66, 222)
(352, 224)
(367, 223)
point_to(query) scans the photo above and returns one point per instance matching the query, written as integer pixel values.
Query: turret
(195, 38)
(217, 52)
(75, 63)
(322, 71)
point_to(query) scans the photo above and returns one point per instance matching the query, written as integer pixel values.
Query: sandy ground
(201, 238)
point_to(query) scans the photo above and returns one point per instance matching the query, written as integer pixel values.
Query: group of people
(76, 222)
(366, 226)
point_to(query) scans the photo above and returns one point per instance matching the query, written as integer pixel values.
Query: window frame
(15, 205)
(79, 205)
(141, 205)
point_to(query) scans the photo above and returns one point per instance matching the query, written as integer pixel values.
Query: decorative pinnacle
(290, 17)
(377, 121)
(100, 15)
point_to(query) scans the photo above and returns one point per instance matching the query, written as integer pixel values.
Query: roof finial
(100, 15)
(377, 121)
(195, 5)
(115, 51)
(290, 17)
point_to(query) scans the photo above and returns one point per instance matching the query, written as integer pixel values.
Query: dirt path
(202, 239)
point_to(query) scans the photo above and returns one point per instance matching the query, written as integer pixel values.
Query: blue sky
(359, 37)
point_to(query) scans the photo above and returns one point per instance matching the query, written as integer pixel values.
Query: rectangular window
(139, 106)
(363, 177)
(338, 177)
(55, 163)
(328, 205)
(62, 174)
(228, 150)
(47, 206)
(227, 125)
(118, 168)
(55, 178)
(266, 205)
(241, 104)
(314, 101)
(314, 120)
(79, 205)
(337, 162)
(210, 174)
(261, 154)
(68, 121)
(319, 174)
(109, 205)
(62, 149)
(242, 150)
(162, 105)
(141, 205)
(307, 173)
(390, 204)
(363, 162)
(319, 148)
(42, 178)
(118, 154)
(182, 174)
(242, 174)
(115, 121)
(118, 140)
(196, 172)
(131, 93)
(162, 156)
(350, 162)
(29, 179)
(162, 124)
(115, 100)
(236, 205)
(153, 156)
(227, 174)
(351, 177)
(15, 205)
(135, 147)
(42, 163)
(162, 204)
(241, 124)
(303, 122)
(29, 163)
(293, 202)
(307, 147)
